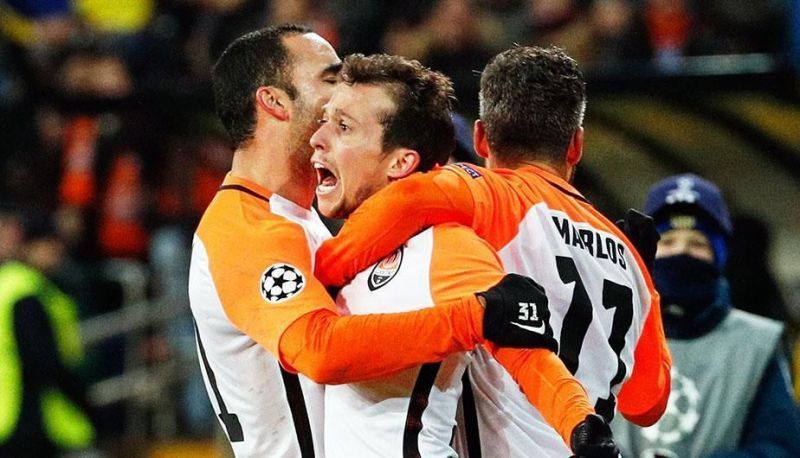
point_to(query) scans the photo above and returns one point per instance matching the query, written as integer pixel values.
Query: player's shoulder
(454, 233)
(466, 169)
(457, 239)
(237, 221)
(474, 179)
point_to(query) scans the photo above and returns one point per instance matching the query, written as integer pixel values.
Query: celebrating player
(257, 307)
(369, 137)
(603, 308)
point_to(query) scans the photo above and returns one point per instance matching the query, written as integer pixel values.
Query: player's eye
(343, 127)
(322, 121)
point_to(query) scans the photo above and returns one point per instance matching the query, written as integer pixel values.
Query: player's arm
(541, 375)
(462, 262)
(334, 349)
(271, 295)
(390, 217)
(548, 386)
(643, 398)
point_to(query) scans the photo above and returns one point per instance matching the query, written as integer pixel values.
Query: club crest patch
(385, 270)
(280, 282)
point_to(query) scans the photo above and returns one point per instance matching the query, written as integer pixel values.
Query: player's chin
(328, 205)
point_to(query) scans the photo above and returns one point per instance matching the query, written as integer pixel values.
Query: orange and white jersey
(240, 316)
(603, 307)
(410, 413)
(497, 420)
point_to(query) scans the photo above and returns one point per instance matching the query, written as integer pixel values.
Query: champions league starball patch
(385, 270)
(280, 282)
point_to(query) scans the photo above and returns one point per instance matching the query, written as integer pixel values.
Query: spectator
(109, 150)
(453, 37)
(617, 34)
(730, 389)
(44, 403)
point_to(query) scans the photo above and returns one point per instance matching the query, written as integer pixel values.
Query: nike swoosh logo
(537, 329)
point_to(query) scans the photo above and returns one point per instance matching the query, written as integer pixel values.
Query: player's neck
(267, 166)
(561, 172)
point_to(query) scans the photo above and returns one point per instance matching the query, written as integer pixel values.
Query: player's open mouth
(326, 180)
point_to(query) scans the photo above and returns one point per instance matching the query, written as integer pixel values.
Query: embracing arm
(548, 386)
(335, 349)
(390, 217)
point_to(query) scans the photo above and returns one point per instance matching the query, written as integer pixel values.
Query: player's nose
(317, 139)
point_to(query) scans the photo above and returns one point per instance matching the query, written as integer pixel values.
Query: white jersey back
(598, 303)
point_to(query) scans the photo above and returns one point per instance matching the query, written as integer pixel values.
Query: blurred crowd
(109, 99)
(108, 123)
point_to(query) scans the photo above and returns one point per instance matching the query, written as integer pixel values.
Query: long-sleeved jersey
(604, 309)
(261, 316)
(413, 412)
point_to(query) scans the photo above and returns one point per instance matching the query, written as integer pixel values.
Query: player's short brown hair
(256, 59)
(423, 100)
(532, 101)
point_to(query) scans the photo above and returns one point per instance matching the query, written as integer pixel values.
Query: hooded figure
(695, 227)
(730, 386)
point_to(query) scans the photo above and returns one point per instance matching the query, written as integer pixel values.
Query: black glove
(641, 231)
(516, 314)
(592, 438)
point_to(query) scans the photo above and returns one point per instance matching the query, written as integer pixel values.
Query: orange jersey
(413, 412)
(604, 308)
(256, 303)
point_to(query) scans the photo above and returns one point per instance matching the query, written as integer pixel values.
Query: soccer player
(260, 314)
(603, 308)
(369, 137)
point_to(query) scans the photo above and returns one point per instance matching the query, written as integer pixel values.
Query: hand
(641, 231)
(592, 438)
(516, 314)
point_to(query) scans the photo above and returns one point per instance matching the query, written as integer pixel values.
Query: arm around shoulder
(390, 217)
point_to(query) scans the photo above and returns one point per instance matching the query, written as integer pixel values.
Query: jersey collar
(247, 186)
(554, 180)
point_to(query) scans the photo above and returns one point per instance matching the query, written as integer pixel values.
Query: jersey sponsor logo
(385, 270)
(467, 168)
(280, 282)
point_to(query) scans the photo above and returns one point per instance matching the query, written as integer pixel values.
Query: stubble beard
(299, 151)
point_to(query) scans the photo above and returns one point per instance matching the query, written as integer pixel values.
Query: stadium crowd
(109, 126)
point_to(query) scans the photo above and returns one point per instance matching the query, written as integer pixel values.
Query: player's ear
(575, 149)
(404, 162)
(273, 101)
(479, 139)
